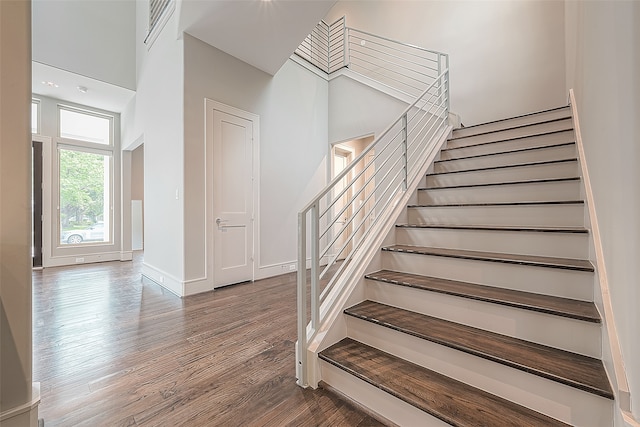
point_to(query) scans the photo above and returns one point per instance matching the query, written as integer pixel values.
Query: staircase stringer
(612, 353)
(349, 290)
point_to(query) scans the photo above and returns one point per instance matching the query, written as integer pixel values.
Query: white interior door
(232, 198)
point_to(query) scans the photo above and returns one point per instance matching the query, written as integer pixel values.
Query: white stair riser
(526, 215)
(516, 144)
(541, 280)
(559, 401)
(529, 192)
(555, 331)
(388, 406)
(567, 169)
(516, 121)
(512, 133)
(551, 244)
(519, 157)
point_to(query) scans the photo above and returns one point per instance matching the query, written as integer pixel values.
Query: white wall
(292, 106)
(603, 65)
(506, 57)
(105, 50)
(155, 116)
(356, 110)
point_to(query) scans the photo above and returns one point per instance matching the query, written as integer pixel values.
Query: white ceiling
(99, 94)
(262, 33)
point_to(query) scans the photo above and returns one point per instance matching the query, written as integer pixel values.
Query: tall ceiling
(91, 43)
(263, 33)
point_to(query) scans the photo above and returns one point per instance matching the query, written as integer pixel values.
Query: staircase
(482, 312)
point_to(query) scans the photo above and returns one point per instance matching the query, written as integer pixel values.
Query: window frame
(36, 102)
(109, 150)
(109, 208)
(82, 142)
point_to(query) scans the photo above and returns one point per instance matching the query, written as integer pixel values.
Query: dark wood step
(520, 150)
(529, 260)
(542, 122)
(575, 370)
(449, 400)
(489, 184)
(516, 117)
(498, 228)
(564, 307)
(524, 203)
(507, 139)
(515, 165)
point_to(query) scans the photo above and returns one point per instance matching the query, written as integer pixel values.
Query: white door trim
(210, 106)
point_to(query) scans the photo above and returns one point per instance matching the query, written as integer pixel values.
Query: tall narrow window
(85, 202)
(35, 117)
(85, 177)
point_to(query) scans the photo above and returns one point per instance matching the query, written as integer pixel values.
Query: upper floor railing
(335, 227)
(401, 66)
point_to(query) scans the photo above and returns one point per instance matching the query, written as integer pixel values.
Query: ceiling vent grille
(157, 17)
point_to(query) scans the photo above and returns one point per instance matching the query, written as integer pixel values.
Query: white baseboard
(60, 261)
(271, 270)
(197, 286)
(163, 279)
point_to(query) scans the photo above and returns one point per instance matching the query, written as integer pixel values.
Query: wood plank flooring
(110, 350)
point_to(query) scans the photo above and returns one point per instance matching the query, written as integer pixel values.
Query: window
(35, 116)
(85, 177)
(85, 201)
(84, 126)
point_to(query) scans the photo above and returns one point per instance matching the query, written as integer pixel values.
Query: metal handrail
(364, 193)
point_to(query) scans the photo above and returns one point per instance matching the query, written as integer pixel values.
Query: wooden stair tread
(497, 153)
(530, 260)
(502, 183)
(575, 370)
(523, 203)
(449, 400)
(514, 165)
(508, 139)
(535, 113)
(507, 128)
(499, 228)
(564, 307)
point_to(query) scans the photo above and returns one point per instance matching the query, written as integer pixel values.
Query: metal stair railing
(334, 227)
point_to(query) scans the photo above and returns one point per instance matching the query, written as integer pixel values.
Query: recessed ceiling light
(82, 89)
(50, 84)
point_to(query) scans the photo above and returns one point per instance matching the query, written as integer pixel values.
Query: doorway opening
(354, 201)
(36, 202)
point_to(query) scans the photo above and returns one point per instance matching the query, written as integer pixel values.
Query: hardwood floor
(112, 351)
